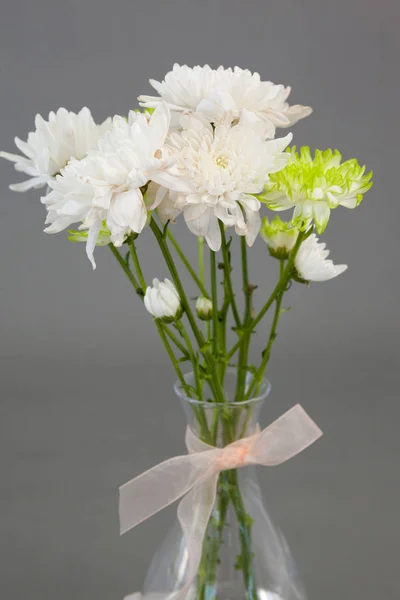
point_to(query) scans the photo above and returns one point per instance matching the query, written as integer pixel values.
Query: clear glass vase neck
(218, 423)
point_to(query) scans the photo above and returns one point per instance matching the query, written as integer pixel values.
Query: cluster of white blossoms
(105, 187)
(204, 148)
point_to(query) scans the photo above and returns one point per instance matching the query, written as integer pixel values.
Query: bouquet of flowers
(204, 151)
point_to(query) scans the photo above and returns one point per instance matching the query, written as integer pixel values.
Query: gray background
(84, 379)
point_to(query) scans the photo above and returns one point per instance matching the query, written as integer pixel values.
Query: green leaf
(239, 563)
(183, 359)
(239, 330)
(248, 520)
(285, 310)
(206, 347)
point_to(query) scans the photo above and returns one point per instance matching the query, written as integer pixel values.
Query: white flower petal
(311, 262)
(172, 182)
(91, 242)
(128, 210)
(168, 210)
(253, 225)
(155, 194)
(296, 112)
(348, 201)
(35, 182)
(213, 235)
(321, 215)
(158, 126)
(197, 218)
(15, 158)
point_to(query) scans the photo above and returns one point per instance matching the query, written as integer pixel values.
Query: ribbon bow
(194, 476)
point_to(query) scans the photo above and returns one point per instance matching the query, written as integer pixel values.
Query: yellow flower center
(222, 161)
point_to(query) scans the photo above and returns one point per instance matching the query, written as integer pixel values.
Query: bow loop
(289, 435)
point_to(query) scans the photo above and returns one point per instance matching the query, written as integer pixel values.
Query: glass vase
(244, 555)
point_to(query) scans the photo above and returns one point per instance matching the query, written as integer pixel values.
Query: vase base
(229, 592)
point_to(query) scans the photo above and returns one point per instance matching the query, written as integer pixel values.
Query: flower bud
(204, 308)
(162, 301)
(279, 236)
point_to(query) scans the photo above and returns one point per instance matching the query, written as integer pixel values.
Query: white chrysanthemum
(216, 92)
(47, 150)
(214, 174)
(312, 263)
(162, 300)
(104, 187)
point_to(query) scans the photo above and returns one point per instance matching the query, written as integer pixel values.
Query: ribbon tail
(158, 487)
(194, 513)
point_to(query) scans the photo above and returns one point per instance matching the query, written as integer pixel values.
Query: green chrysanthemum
(279, 235)
(315, 185)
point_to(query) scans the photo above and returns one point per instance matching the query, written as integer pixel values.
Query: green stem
(246, 290)
(282, 283)
(193, 358)
(228, 490)
(173, 337)
(258, 377)
(187, 264)
(140, 290)
(245, 338)
(227, 275)
(198, 410)
(178, 284)
(207, 573)
(222, 341)
(135, 260)
(172, 356)
(214, 300)
(126, 270)
(245, 524)
(228, 301)
(234, 349)
(214, 382)
(200, 252)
